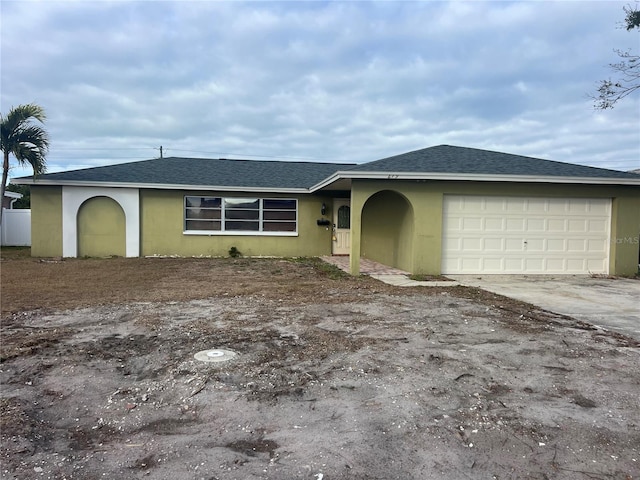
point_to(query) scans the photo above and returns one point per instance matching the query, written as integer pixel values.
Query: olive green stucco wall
(625, 235)
(398, 223)
(162, 213)
(101, 228)
(46, 221)
(425, 199)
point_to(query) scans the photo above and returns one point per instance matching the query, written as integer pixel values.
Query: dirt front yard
(336, 377)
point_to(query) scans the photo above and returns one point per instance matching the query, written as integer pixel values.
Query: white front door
(516, 235)
(341, 237)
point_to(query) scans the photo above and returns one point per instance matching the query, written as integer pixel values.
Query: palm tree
(23, 139)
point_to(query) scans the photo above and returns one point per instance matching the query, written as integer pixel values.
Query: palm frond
(25, 153)
(26, 141)
(35, 135)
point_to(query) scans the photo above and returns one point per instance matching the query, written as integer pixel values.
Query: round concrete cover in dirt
(215, 355)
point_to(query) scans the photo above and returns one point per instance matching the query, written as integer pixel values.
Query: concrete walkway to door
(613, 304)
(385, 273)
(367, 267)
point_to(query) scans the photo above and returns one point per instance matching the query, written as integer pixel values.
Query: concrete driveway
(613, 304)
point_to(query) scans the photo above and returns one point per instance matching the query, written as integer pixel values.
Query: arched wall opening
(387, 230)
(101, 227)
(127, 199)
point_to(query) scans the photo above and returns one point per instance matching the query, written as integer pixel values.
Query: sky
(327, 81)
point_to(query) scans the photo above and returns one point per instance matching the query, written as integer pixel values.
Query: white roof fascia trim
(329, 180)
(163, 186)
(345, 175)
(473, 177)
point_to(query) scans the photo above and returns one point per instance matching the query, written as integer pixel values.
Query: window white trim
(224, 208)
(238, 233)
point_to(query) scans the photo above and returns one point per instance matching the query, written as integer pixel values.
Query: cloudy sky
(334, 81)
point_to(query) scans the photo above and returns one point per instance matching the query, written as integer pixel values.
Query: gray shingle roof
(451, 159)
(206, 172)
(276, 175)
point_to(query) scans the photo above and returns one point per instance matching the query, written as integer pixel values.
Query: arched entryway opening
(387, 230)
(101, 227)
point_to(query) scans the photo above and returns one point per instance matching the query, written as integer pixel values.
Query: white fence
(16, 228)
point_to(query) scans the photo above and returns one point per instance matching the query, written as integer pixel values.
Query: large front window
(236, 214)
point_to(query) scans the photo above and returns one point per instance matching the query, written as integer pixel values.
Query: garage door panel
(596, 265)
(515, 224)
(575, 264)
(557, 208)
(456, 206)
(597, 245)
(534, 265)
(556, 225)
(579, 207)
(456, 224)
(537, 206)
(471, 263)
(493, 244)
(598, 226)
(599, 208)
(556, 245)
(556, 264)
(525, 235)
(492, 204)
(536, 245)
(493, 263)
(472, 244)
(536, 225)
(512, 265)
(515, 205)
(578, 226)
(470, 224)
(493, 224)
(513, 245)
(576, 246)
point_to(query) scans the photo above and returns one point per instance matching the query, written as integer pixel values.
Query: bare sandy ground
(356, 382)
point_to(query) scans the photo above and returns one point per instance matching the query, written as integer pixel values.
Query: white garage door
(485, 234)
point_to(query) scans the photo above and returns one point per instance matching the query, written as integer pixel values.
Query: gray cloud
(330, 81)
